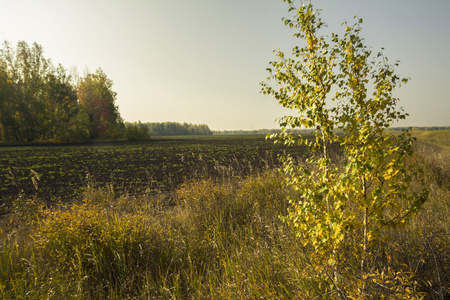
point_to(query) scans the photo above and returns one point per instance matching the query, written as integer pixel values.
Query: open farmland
(219, 239)
(157, 165)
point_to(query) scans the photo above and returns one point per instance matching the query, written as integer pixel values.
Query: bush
(217, 240)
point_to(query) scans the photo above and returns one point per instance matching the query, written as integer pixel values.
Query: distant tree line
(175, 128)
(421, 128)
(41, 102)
(260, 131)
(305, 131)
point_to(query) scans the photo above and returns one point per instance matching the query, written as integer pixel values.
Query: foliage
(142, 131)
(42, 103)
(23, 73)
(38, 101)
(96, 96)
(328, 83)
(136, 132)
(174, 128)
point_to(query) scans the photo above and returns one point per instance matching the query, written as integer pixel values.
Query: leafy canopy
(341, 90)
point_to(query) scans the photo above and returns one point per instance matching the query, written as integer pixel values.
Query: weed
(215, 237)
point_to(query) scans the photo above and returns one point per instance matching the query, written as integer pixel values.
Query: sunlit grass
(209, 239)
(439, 137)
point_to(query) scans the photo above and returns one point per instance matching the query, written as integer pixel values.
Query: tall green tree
(3, 99)
(40, 102)
(335, 84)
(32, 68)
(26, 67)
(97, 98)
(3, 85)
(61, 105)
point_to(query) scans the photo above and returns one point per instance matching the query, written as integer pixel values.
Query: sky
(202, 61)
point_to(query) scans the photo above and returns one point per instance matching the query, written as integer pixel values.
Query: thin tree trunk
(366, 232)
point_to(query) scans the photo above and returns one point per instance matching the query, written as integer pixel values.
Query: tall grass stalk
(220, 238)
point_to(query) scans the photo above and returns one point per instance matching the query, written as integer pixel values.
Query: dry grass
(439, 137)
(218, 239)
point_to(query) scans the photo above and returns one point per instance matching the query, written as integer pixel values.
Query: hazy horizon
(202, 61)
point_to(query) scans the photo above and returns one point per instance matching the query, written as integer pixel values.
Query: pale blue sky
(201, 61)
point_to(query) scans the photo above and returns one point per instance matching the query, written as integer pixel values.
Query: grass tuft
(217, 237)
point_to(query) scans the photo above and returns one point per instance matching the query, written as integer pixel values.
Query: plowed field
(157, 165)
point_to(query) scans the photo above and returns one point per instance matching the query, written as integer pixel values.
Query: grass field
(439, 137)
(214, 234)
